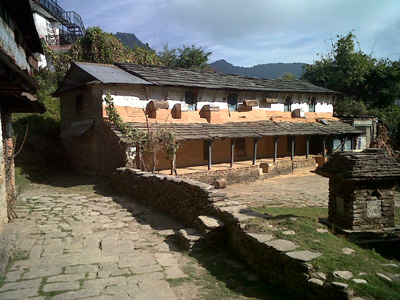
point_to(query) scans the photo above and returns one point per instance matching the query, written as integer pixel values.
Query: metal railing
(72, 26)
(52, 7)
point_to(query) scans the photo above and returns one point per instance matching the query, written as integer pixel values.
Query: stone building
(361, 189)
(18, 59)
(217, 118)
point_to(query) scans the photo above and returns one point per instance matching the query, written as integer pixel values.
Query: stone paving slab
(86, 247)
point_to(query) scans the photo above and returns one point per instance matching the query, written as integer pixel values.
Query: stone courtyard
(73, 244)
(87, 247)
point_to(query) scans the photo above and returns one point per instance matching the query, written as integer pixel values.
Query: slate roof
(166, 76)
(122, 73)
(110, 73)
(205, 131)
(89, 73)
(370, 164)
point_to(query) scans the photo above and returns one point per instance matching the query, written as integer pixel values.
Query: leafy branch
(148, 143)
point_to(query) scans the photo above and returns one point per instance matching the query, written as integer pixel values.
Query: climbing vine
(148, 142)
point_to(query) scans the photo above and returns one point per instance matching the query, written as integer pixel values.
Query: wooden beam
(324, 147)
(308, 147)
(255, 150)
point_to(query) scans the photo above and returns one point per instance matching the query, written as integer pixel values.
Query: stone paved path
(81, 246)
(302, 188)
(78, 244)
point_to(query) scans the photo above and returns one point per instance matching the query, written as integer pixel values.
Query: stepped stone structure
(361, 189)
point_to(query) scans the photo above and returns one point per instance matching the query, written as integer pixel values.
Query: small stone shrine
(361, 189)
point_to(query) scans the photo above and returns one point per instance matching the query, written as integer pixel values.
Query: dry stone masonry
(217, 217)
(361, 189)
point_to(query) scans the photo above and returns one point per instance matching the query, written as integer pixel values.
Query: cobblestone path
(74, 243)
(81, 246)
(300, 189)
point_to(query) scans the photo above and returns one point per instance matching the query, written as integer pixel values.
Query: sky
(250, 32)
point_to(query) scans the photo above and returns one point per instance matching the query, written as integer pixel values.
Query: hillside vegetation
(267, 71)
(130, 40)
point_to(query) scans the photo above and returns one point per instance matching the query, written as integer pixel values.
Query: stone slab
(305, 255)
(282, 245)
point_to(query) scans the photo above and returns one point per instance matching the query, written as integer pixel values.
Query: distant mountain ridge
(268, 71)
(130, 40)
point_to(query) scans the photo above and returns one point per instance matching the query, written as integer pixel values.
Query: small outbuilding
(361, 189)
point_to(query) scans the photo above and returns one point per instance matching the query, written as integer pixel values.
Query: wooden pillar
(255, 151)
(233, 141)
(292, 147)
(210, 142)
(308, 147)
(276, 138)
(323, 147)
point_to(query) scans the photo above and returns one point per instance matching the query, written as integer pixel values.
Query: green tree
(288, 76)
(356, 75)
(97, 46)
(370, 86)
(169, 57)
(193, 58)
(188, 57)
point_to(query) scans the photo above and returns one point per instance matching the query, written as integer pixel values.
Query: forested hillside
(268, 71)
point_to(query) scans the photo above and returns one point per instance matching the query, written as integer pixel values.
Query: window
(233, 101)
(191, 100)
(288, 104)
(313, 102)
(240, 147)
(79, 104)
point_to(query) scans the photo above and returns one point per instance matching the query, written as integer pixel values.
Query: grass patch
(304, 221)
(16, 255)
(225, 276)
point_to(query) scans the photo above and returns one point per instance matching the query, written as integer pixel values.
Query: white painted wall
(130, 101)
(41, 25)
(125, 97)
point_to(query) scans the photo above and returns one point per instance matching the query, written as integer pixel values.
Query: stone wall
(232, 175)
(251, 173)
(184, 199)
(188, 199)
(354, 205)
(284, 167)
(99, 151)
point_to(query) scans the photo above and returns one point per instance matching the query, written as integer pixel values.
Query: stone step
(212, 228)
(209, 224)
(189, 238)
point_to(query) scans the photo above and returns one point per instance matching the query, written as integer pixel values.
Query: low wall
(285, 167)
(251, 173)
(186, 199)
(232, 175)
